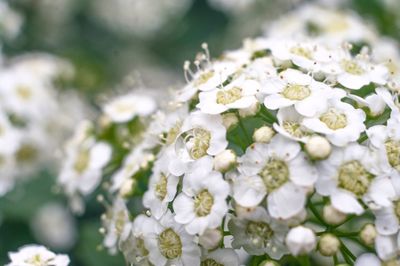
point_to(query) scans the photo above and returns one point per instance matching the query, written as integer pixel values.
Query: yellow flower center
(296, 92)
(203, 203)
(260, 233)
(198, 141)
(354, 178)
(24, 92)
(160, 190)
(294, 129)
(393, 153)
(274, 174)
(173, 133)
(210, 262)
(170, 244)
(82, 161)
(203, 78)
(334, 119)
(301, 51)
(352, 67)
(26, 153)
(229, 96)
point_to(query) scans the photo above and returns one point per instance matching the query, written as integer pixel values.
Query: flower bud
(210, 239)
(268, 263)
(250, 111)
(368, 234)
(229, 120)
(224, 161)
(318, 147)
(127, 188)
(328, 245)
(263, 134)
(301, 240)
(333, 216)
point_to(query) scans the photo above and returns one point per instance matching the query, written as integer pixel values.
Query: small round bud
(250, 111)
(210, 239)
(368, 234)
(268, 263)
(127, 188)
(300, 240)
(328, 245)
(333, 216)
(229, 120)
(263, 134)
(318, 147)
(224, 161)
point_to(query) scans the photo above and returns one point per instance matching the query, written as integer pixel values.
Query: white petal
(346, 202)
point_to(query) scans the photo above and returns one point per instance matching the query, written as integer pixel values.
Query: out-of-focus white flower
(117, 224)
(33, 255)
(137, 17)
(54, 225)
(125, 108)
(301, 240)
(10, 21)
(369, 259)
(85, 158)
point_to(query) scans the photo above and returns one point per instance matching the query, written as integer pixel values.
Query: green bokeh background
(102, 59)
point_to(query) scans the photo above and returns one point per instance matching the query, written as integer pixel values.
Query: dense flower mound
(35, 116)
(35, 255)
(280, 149)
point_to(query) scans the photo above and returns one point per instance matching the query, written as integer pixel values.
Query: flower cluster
(34, 117)
(34, 255)
(286, 147)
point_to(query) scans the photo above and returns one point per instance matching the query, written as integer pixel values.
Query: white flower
(162, 187)
(54, 225)
(307, 95)
(290, 125)
(133, 247)
(202, 203)
(307, 55)
(8, 171)
(138, 157)
(239, 94)
(33, 255)
(117, 224)
(346, 176)
(85, 158)
(208, 78)
(355, 73)
(340, 122)
(258, 234)
(25, 95)
(279, 170)
(200, 135)
(168, 243)
(222, 256)
(301, 240)
(10, 137)
(126, 107)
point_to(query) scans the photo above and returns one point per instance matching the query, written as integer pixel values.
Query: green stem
(304, 260)
(335, 260)
(348, 252)
(316, 214)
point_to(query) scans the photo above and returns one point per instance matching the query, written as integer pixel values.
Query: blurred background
(116, 45)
